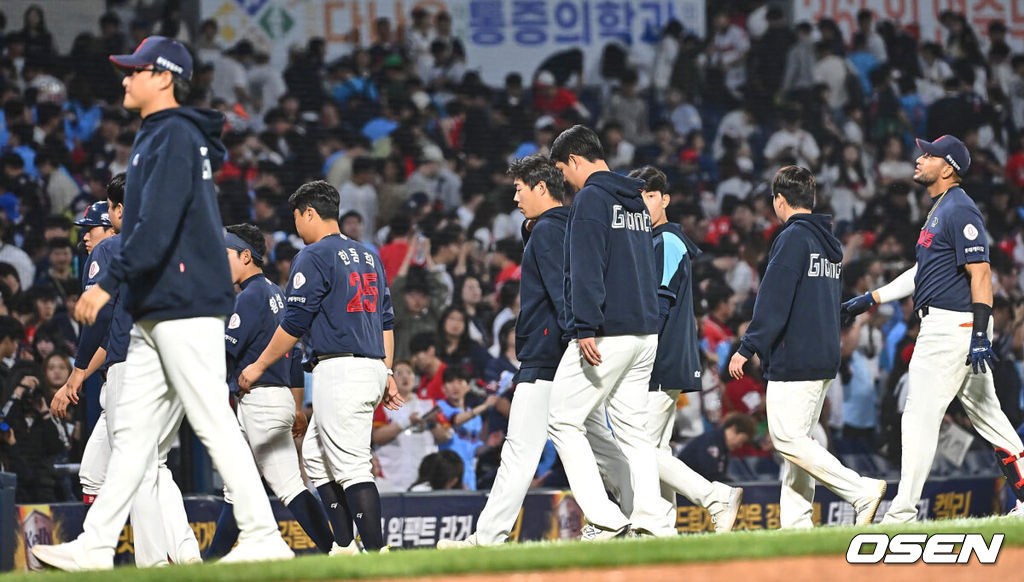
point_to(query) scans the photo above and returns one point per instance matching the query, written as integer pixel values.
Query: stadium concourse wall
(418, 520)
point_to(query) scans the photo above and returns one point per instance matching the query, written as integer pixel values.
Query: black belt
(267, 385)
(317, 358)
(922, 313)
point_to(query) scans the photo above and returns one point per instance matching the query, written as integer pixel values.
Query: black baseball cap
(98, 214)
(161, 52)
(950, 149)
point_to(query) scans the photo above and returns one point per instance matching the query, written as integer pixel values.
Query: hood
(209, 122)
(625, 190)
(821, 226)
(558, 213)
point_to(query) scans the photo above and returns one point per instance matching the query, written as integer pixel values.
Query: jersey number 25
(366, 286)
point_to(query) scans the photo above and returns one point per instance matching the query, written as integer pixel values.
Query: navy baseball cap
(950, 149)
(98, 214)
(161, 52)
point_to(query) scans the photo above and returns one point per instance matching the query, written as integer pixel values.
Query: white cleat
(725, 517)
(867, 508)
(1017, 511)
(349, 550)
(67, 557)
(593, 533)
(469, 542)
(267, 550)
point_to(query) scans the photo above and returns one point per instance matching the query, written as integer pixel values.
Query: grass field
(540, 556)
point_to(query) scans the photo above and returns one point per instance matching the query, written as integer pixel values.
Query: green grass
(540, 556)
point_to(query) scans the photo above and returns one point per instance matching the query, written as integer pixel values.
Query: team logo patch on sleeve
(94, 270)
(298, 280)
(970, 232)
(235, 321)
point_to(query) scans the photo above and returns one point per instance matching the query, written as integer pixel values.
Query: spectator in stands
(859, 395)
(508, 310)
(463, 413)
(60, 187)
(360, 194)
(457, 349)
(725, 57)
(439, 472)
(708, 454)
(403, 438)
(791, 143)
(558, 102)
(800, 62)
(629, 109)
(60, 271)
(14, 256)
(38, 438)
(428, 365)
(38, 40)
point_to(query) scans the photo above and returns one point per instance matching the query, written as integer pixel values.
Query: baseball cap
(950, 149)
(98, 214)
(161, 52)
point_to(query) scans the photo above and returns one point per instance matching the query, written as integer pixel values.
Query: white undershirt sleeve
(899, 288)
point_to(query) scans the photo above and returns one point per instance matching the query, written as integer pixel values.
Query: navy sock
(333, 498)
(310, 515)
(226, 534)
(364, 504)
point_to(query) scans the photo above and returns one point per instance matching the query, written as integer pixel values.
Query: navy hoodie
(541, 323)
(677, 365)
(610, 278)
(795, 329)
(172, 223)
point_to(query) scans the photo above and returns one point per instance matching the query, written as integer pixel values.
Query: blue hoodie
(541, 323)
(795, 329)
(611, 281)
(172, 223)
(677, 365)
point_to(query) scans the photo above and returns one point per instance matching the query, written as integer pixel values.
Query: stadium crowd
(417, 144)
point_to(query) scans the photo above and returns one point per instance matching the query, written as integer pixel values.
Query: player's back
(340, 287)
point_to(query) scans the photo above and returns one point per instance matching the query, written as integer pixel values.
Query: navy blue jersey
(259, 309)
(953, 236)
(339, 294)
(91, 337)
(118, 332)
(677, 365)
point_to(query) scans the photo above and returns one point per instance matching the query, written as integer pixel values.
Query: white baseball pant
(266, 415)
(675, 475)
(793, 409)
(620, 383)
(160, 525)
(520, 454)
(174, 368)
(346, 391)
(938, 374)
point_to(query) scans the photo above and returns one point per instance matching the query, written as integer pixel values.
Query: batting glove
(981, 351)
(854, 307)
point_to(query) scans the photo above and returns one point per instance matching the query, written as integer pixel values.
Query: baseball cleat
(469, 542)
(349, 550)
(1017, 511)
(259, 551)
(594, 533)
(725, 518)
(67, 557)
(866, 510)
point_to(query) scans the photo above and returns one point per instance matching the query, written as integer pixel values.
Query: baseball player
(795, 332)
(338, 293)
(611, 311)
(677, 366)
(270, 413)
(177, 292)
(540, 328)
(161, 528)
(952, 287)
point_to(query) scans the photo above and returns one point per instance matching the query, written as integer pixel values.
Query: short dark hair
(318, 195)
(578, 140)
(253, 237)
(182, 89)
(422, 342)
(534, 169)
(351, 214)
(363, 164)
(452, 373)
(60, 242)
(10, 327)
(743, 423)
(508, 293)
(57, 221)
(115, 190)
(654, 179)
(9, 269)
(796, 185)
